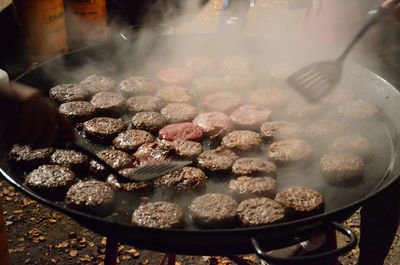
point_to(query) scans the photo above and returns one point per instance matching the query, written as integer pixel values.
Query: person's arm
(29, 118)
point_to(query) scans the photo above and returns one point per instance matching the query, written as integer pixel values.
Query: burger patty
(187, 149)
(213, 122)
(214, 210)
(299, 109)
(224, 102)
(51, 181)
(108, 102)
(175, 76)
(92, 196)
(179, 112)
(245, 187)
(130, 140)
(103, 129)
(260, 211)
(281, 130)
(27, 158)
(137, 85)
(325, 129)
(354, 143)
(176, 94)
(342, 168)
(74, 160)
(67, 92)
(356, 110)
(289, 151)
(270, 97)
(300, 201)
(253, 166)
(150, 121)
(242, 141)
(205, 85)
(249, 117)
(115, 158)
(144, 103)
(240, 80)
(136, 186)
(78, 111)
(154, 152)
(97, 83)
(162, 215)
(181, 131)
(217, 161)
(183, 179)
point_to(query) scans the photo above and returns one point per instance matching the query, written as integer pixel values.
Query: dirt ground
(39, 235)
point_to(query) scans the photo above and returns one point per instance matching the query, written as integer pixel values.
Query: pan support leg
(238, 260)
(331, 244)
(111, 252)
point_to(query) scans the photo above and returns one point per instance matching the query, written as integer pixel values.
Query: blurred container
(42, 24)
(86, 22)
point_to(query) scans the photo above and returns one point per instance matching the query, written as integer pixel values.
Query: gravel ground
(38, 235)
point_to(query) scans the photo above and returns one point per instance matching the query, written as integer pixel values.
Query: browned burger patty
(137, 85)
(136, 186)
(242, 141)
(299, 109)
(214, 210)
(249, 117)
(71, 159)
(201, 64)
(51, 181)
(154, 152)
(260, 211)
(103, 129)
(26, 158)
(130, 140)
(342, 168)
(181, 131)
(217, 161)
(213, 122)
(324, 130)
(78, 111)
(289, 151)
(175, 76)
(224, 102)
(159, 215)
(300, 201)
(338, 96)
(205, 85)
(176, 94)
(144, 103)
(281, 130)
(115, 158)
(356, 144)
(149, 120)
(233, 63)
(183, 179)
(97, 83)
(179, 112)
(270, 97)
(241, 80)
(93, 197)
(356, 110)
(108, 102)
(245, 187)
(67, 92)
(187, 149)
(253, 166)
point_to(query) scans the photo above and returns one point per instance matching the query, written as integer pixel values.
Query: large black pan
(341, 202)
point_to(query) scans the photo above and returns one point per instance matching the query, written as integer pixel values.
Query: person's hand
(32, 119)
(395, 12)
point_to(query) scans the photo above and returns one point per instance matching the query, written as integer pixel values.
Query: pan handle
(307, 259)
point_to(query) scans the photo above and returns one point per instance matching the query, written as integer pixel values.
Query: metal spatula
(144, 173)
(315, 80)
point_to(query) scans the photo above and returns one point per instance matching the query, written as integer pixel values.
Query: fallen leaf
(73, 253)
